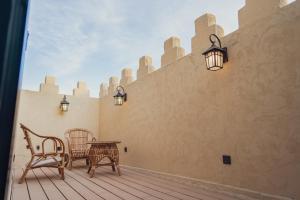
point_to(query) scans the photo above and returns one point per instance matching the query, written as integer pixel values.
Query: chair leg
(66, 159)
(118, 168)
(21, 180)
(62, 173)
(112, 164)
(70, 164)
(87, 161)
(28, 166)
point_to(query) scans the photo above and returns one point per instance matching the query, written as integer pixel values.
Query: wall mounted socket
(226, 159)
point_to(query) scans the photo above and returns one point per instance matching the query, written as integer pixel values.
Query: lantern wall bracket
(224, 49)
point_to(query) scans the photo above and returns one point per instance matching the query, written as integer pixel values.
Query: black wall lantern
(121, 96)
(64, 104)
(215, 56)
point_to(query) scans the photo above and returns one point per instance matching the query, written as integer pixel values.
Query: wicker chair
(55, 158)
(77, 139)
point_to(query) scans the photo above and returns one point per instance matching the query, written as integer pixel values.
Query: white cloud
(60, 31)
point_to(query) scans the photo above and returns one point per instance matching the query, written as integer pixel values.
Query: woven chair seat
(82, 153)
(48, 162)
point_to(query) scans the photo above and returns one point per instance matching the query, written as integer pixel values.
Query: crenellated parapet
(255, 9)
(145, 67)
(81, 89)
(49, 87)
(204, 26)
(172, 51)
(126, 77)
(103, 90)
(113, 84)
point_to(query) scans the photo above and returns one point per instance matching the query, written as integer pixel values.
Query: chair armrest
(58, 146)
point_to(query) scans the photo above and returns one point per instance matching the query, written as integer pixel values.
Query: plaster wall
(40, 112)
(182, 118)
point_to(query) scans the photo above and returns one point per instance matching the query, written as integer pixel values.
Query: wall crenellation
(49, 87)
(113, 83)
(103, 90)
(172, 51)
(81, 89)
(255, 9)
(145, 67)
(204, 26)
(126, 77)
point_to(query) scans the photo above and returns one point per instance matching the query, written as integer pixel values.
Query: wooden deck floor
(43, 184)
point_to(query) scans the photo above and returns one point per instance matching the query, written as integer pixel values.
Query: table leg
(90, 167)
(118, 168)
(92, 171)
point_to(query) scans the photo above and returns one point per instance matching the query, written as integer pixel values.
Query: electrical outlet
(226, 159)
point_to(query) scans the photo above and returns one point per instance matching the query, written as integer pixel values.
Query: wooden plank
(171, 186)
(92, 186)
(185, 189)
(35, 189)
(117, 191)
(122, 186)
(155, 193)
(50, 189)
(20, 191)
(171, 192)
(64, 188)
(80, 188)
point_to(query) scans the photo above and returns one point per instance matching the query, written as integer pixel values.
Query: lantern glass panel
(64, 107)
(118, 100)
(214, 60)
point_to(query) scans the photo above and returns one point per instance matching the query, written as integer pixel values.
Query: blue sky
(91, 40)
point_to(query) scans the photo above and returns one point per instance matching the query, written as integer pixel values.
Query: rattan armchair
(55, 158)
(77, 139)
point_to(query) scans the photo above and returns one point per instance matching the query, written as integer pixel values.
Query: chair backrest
(27, 137)
(78, 138)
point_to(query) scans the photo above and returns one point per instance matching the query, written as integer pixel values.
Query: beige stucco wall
(182, 118)
(40, 112)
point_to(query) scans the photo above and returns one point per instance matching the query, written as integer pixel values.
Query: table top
(103, 142)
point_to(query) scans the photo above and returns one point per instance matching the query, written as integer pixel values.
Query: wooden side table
(100, 150)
